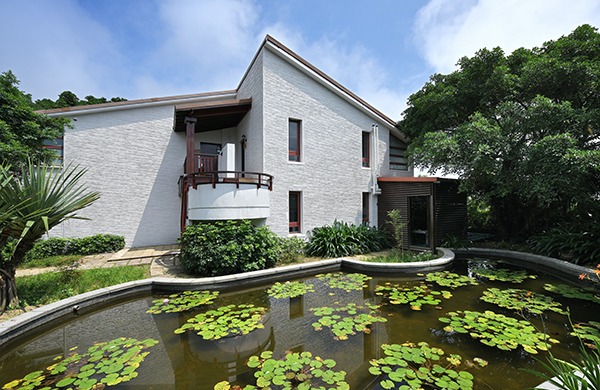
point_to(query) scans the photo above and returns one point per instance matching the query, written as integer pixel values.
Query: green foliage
(103, 364)
(450, 279)
(403, 257)
(588, 333)
(226, 321)
(395, 222)
(184, 301)
(296, 370)
(91, 245)
(416, 296)
(347, 320)
(50, 287)
(344, 281)
(291, 250)
(497, 330)
(22, 130)
(520, 130)
(343, 239)
(573, 375)
(227, 247)
(568, 291)
(289, 290)
(69, 99)
(575, 243)
(503, 275)
(37, 199)
(52, 261)
(479, 214)
(521, 300)
(409, 366)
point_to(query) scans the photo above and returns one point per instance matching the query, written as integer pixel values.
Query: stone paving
(163, 261)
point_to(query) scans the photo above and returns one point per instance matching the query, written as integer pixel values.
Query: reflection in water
(186, 361)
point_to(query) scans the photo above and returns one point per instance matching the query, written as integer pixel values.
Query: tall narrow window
(366, 149)
(398, 159)
(294, 140)
(294, 212)
(57, 146)
(365, 208)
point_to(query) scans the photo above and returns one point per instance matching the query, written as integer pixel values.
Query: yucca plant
(33, 201)
(573, 375)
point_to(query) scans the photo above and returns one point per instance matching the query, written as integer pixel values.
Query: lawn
(53, 286)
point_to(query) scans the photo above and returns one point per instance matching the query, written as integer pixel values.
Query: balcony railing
(233, 177)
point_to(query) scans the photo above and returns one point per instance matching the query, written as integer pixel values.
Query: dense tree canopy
(523, 130)
(69, 99)
(22, 130)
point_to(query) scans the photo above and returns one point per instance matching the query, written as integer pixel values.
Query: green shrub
(343, 239)
(479, 214)
(571, 242)
(99, 243)
(291, 250)
(227, 247)
(91, 245)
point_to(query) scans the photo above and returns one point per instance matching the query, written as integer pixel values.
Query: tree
(31, 203)
(70, 99)
(22, 130)
(522, 130)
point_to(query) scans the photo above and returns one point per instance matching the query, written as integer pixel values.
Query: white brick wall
(330, 175)
(134, 159)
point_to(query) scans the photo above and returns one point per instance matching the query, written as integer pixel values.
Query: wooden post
(190, 130)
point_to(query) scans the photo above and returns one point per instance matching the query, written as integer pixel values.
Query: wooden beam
(190, 129)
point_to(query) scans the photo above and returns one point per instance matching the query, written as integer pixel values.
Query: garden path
(162, 260)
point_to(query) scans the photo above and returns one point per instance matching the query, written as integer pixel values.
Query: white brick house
(289, 147)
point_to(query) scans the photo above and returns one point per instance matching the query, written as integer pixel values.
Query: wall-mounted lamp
(244, 141)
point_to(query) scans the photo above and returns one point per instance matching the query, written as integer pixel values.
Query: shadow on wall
(160, 219)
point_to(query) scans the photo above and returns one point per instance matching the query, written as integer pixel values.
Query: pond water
(187, 361)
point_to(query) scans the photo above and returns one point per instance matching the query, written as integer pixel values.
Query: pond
(338, 329)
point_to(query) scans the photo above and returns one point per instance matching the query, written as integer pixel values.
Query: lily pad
(588, 333)
(503, 275)
(184, 301)
(297, 370)
(112, 362)
(450, 279)
(416, 296)
(417, 366)
(522, 300)
(347, 320)
(568, 291)
(289, 290)
(344, 281)
(497, 330)
(226, 321)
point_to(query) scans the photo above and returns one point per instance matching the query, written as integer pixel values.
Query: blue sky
(383, 50)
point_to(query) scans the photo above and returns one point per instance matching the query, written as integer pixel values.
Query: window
(294, 140)
(294, 212)
(56, 145)
(398, 159)
(366, 149)
(365, 208)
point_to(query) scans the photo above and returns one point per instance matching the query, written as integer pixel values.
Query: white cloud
(52, 49)
(447, 30)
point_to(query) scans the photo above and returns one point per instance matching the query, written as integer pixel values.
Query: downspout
(375, 165)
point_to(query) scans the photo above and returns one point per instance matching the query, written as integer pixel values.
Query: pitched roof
(268, 42)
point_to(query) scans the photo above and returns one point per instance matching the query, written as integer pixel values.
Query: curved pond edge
(558, 268)
(14, 327)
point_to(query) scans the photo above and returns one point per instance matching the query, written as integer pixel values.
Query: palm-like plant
(31, 203)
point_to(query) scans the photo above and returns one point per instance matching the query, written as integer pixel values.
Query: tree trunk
(8, 289)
